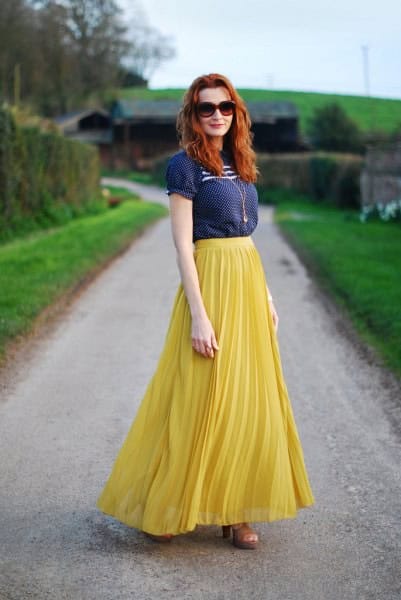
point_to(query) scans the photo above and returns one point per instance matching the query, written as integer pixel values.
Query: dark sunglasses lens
(205, 109)
(226, 108)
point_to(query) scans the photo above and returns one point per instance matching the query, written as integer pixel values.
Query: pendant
(245, 219)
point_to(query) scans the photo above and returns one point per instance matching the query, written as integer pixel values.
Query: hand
(203, 337)
(274, 315)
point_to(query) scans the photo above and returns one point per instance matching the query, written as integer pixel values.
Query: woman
(214, 440)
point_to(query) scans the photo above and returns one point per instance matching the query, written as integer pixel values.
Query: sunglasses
(207, 109)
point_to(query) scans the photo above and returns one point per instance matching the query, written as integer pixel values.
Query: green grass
(369, 113)
(138, 177)
(54, 215)
(120, 192)
(36, 271)
(359, 263)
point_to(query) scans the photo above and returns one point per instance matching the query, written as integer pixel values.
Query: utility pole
(270, 80)
(370, 162)
(365, 55)
(366, 76)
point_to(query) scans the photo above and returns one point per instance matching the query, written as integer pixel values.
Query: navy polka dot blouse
(217, 201)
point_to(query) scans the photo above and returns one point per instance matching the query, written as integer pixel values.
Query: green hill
(369, 113)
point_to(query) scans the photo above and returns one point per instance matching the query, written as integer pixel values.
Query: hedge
(321, 176)
(42, 173)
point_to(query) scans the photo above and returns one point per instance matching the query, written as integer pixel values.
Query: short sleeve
(182, 176)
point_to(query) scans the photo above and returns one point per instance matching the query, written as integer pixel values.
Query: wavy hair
(237, 141)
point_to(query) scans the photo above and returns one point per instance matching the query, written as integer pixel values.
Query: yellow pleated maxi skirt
(214, 440)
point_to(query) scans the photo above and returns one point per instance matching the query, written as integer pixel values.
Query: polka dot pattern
(217, 201)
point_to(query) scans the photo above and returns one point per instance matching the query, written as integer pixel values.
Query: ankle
(239, 525)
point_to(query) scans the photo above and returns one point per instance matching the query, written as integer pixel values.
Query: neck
(217, 142)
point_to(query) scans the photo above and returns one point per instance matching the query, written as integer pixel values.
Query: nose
(217, 110)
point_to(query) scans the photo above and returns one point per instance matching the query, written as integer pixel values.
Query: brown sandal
(240, 532)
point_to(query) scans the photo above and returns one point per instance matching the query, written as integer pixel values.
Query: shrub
(44, 177)
(158, 169)
(322, 172)
(321, 176)
(330, 128)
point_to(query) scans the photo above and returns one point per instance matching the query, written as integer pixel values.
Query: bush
(318, 175)
(158, 170)
(322, 173)
(278, 196)
(321, 176)
(330, 128)
(44, 177)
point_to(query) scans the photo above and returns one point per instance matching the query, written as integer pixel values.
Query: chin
(218, 133)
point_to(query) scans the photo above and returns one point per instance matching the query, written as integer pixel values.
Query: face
(217, 125)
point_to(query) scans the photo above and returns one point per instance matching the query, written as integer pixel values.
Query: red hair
(238, 140)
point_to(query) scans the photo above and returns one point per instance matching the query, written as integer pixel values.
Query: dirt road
(67, 402)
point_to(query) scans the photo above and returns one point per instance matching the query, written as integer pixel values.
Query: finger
(209, 350)
(214, 342)
(200, 347)
(197, 346)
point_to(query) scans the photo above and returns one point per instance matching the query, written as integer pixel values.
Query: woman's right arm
(203, 336)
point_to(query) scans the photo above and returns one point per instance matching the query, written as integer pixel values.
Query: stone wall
(381, 176)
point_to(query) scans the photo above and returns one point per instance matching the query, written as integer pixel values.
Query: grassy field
(359, 263)
(37, 270)
(369, 113)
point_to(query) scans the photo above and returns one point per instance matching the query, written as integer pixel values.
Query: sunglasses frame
(213, 106)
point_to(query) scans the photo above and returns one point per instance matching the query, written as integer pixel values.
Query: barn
(145, 129)
(92, 126)
(135, 132)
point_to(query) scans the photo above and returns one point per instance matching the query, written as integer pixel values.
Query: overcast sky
(281, 44)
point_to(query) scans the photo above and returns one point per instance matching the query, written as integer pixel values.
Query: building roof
(265, 112)
(70, 124)
(144, 110)
(167, 110)
(72, 117)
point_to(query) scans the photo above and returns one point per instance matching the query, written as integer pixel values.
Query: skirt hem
(208, 522)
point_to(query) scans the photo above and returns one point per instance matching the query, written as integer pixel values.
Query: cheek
(229, 123)
(203, 124)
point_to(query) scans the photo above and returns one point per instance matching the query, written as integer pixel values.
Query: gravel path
(68, 399)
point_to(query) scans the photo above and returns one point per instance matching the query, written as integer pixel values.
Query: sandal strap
(246, 531)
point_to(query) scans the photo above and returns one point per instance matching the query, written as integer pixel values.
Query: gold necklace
(243, 195)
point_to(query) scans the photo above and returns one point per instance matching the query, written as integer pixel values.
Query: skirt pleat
(214, 441)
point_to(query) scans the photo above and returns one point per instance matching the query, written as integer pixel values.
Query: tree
(16, 37)
(330, 128)
(148, 49)
(55, 81)
(129, 78)
(97, 35)
(56, 54)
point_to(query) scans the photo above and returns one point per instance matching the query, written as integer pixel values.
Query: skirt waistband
(224, 242)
